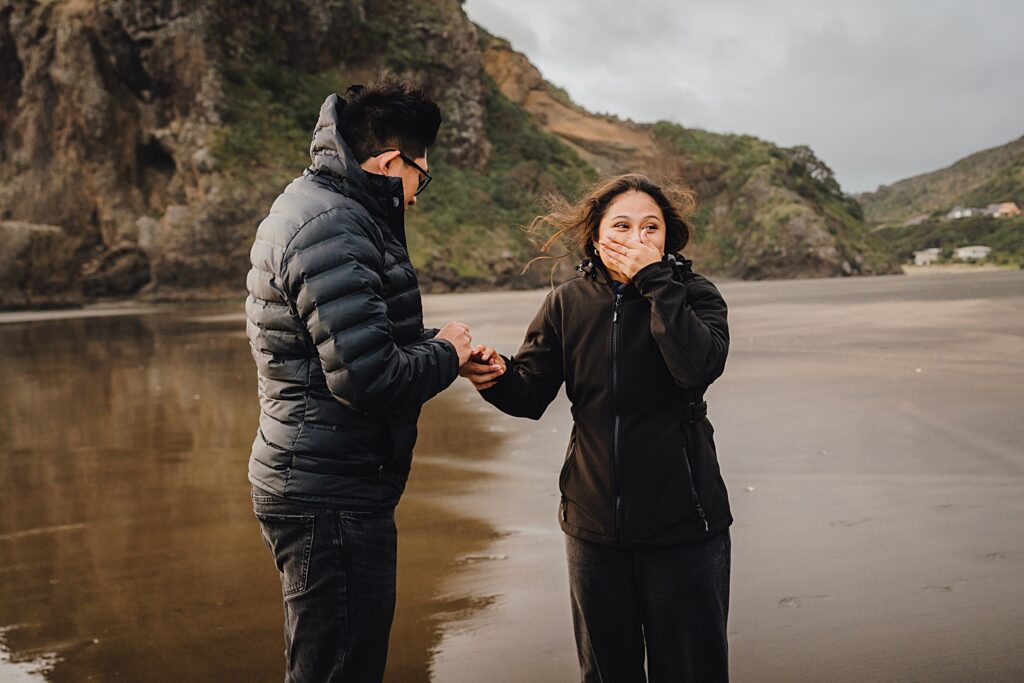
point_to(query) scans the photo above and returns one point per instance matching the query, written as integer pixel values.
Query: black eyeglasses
(425, 177)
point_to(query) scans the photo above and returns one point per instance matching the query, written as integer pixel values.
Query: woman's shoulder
(570, 295)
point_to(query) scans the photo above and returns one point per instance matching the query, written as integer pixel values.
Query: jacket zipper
(617, 513)
(693, 490)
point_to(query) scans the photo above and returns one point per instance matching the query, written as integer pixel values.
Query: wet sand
(128, 549)
(877, 420)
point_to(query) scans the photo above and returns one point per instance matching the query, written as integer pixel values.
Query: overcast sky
(880, 89)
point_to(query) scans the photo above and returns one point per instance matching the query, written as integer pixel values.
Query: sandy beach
(869, 431)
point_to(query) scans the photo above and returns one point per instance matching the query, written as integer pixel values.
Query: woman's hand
(627, 255)
(484, 367)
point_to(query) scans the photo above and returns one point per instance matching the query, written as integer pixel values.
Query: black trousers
(670, 603)
(337, 573)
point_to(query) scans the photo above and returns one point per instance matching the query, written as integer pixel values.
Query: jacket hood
(329, 152)
(331, 156)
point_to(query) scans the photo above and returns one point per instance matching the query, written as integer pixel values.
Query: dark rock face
(119, 272)
(111, 112)
(36, 266)
(112, 102)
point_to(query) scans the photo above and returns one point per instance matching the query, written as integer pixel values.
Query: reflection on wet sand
(127, 543)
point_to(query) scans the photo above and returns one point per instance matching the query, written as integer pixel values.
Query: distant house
(972, 253)
(926, 257)
(1003, 210)
(964, 212)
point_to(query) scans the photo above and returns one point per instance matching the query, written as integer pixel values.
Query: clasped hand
(480, 364)
(484, 367)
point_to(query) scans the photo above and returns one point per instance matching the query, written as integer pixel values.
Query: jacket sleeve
(534, 375)
(334, 279)
(689, 322)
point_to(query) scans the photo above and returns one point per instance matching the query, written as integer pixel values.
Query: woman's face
(636, 216)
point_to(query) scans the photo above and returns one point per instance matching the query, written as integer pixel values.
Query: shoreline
(958, 268)
(146, 304)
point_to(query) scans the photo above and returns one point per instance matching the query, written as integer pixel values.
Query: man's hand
(627, 255)
(484, 367)
(457, 334)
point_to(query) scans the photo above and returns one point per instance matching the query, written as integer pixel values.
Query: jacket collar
(593, 268)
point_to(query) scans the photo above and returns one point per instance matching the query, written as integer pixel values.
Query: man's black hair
(388, 113)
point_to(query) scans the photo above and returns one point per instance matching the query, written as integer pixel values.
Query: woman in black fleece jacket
(637, 338)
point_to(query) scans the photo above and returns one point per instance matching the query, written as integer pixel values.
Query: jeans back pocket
(290, 539)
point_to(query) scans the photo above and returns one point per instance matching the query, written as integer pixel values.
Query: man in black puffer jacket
(335, 325)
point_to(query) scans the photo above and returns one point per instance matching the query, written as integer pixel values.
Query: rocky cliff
(143, 140)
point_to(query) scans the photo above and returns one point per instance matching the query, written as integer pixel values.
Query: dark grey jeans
(338, 582)
(671, 602)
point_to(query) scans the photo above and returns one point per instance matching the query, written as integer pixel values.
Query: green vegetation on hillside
(986, 177)
(471, 220)
(1004, 235)
(773, 197)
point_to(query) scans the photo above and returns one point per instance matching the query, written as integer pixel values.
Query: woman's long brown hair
(576, 224)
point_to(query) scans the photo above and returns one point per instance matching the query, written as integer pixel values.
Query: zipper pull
(700, 511)
(615, 311)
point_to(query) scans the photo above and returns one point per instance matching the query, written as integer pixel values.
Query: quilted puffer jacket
(335, 325)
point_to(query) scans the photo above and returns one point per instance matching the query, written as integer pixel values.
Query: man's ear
(385, 160)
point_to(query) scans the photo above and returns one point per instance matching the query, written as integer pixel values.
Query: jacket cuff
(496, 390)
(652, 276)
(449, 361)
(430, 333)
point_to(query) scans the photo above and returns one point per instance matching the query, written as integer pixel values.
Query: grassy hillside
(769, 211)
(1004, 235)
(989, 176)
(472, 222)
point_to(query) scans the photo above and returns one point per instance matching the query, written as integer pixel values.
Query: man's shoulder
(307, 213)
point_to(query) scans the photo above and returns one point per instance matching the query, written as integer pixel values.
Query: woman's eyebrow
(651, 215)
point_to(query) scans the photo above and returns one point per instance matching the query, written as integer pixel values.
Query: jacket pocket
(290, 540)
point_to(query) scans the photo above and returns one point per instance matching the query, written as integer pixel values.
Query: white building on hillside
(926, 257)
(964, 212)
(973, 253)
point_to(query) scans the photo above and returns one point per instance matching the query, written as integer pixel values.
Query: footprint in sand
(998, 556)
(938, 589)
(799, 600)
(847, 522)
